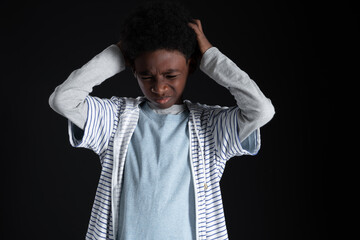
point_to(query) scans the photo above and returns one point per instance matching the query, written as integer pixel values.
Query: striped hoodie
(216, 134)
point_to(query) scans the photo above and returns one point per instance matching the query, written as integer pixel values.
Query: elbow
(58, 102)
(52, 101)
(55, 102)
(264, 114)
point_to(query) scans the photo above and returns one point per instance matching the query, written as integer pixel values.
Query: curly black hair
(158, 25)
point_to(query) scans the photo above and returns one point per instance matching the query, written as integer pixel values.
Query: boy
(162, 157)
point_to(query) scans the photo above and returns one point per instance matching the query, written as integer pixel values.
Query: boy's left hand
(204, 44)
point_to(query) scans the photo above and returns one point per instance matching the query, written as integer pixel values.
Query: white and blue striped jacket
(216, 135)
(214, 139)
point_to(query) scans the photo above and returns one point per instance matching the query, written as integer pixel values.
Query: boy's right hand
(203, 42)
(127, 62)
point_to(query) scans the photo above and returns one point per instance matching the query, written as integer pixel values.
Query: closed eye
(171, 76)
(146, 78)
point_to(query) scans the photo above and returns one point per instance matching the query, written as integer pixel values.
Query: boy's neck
(174, 109)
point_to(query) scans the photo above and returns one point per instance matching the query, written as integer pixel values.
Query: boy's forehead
(169, 60)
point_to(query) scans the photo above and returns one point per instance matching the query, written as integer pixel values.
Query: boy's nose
(159, 87)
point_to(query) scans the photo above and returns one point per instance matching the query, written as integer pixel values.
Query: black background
(48, 187)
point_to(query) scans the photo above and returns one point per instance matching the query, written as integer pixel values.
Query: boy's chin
(163, 103)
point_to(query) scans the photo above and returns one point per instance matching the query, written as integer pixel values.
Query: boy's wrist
(204, 45)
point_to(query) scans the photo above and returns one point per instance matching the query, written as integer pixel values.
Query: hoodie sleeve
(69, 98)
(254, 109)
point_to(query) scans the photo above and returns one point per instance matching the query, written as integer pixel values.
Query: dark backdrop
(48, 187)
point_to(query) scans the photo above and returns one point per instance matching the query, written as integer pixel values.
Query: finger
(198, 23)
(195, 21)
(195, 28)
(192, 25)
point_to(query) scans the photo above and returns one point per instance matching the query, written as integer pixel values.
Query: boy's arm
(68, 99)
(255, 109)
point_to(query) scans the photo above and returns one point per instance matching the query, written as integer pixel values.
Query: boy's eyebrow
(171, 70)
(145, 73)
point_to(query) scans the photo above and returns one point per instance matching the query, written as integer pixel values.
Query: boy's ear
(195, 60)
(192, 65)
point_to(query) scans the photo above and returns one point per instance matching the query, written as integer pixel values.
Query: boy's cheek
(144, 89)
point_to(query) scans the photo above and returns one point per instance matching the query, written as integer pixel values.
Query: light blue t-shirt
(157, 199)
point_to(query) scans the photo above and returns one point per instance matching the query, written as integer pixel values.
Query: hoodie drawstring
(202, 152)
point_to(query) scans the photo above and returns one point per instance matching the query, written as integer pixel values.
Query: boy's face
(162, 76)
